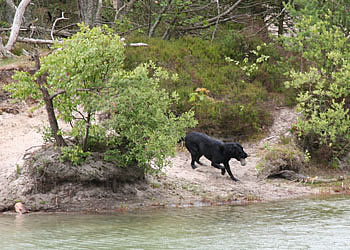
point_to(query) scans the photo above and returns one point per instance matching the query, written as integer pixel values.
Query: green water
(301, 224)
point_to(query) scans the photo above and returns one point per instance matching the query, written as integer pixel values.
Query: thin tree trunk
(17, 21)
(49, 106)
(87, 131)
(52, 118)
(217, 21)
(122, 8)
(159, 18)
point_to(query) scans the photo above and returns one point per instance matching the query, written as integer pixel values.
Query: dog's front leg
(228, 169)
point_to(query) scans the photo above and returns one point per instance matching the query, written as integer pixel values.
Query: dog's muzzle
(243, 161)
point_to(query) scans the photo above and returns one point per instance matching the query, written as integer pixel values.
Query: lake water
(297, 224)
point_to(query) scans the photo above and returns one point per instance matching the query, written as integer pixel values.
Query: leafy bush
(144, 127)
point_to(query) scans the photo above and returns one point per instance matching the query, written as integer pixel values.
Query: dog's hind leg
(192, 162)
(197, 160)
(218, 166)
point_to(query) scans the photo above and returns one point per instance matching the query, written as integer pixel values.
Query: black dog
(214, 150)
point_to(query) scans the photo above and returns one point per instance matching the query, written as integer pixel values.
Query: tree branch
(63, 91)
(225, 12)
(54, 24)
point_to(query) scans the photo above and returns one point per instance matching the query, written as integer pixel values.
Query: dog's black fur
(214, 150)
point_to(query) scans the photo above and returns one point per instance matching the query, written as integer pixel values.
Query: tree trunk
(17, 21)
(49, 106)
(10, 10)
(98, 13)
(88, 11)
(52, 118)
(4, 53)
(281, 19)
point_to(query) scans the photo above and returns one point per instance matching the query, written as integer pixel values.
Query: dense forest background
(235, 60)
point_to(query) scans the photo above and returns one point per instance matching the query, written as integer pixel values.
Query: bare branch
(63, 91)
(58, 92)
(54, 24)
(212, 21)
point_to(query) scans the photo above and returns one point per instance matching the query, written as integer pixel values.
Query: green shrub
(323, 89)
(74, 154)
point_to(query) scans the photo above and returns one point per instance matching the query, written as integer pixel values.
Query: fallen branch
(137, 44)
(293, 176)
(35, 41)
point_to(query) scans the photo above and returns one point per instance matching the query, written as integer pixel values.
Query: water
(301, 224)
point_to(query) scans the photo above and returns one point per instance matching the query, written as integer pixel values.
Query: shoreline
(139, 208)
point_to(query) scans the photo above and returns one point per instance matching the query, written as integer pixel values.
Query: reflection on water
(302, 224)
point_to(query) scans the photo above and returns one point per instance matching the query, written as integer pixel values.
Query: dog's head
(238, 153)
